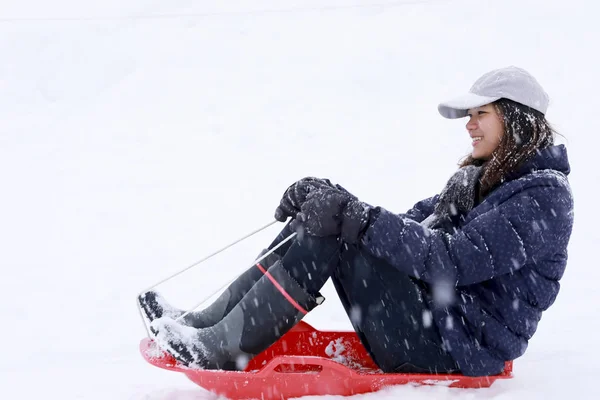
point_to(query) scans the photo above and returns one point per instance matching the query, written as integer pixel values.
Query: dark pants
(386, 307)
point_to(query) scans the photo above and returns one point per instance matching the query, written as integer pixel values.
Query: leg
(276, 302)
(390, 316)
(155, 306)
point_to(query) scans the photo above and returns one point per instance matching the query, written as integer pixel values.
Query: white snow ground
(138, 136)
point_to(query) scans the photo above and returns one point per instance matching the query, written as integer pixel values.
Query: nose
(471, 123)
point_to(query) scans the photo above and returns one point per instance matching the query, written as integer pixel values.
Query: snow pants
(386, 307)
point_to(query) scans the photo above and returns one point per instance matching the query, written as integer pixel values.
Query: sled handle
(325, 367)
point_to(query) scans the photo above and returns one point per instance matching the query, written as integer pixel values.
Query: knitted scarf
(457, 198)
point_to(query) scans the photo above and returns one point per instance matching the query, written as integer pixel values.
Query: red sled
(309, 362)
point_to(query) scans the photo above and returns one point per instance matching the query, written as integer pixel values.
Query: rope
(211, 255)
(204, 259)
(256, 262)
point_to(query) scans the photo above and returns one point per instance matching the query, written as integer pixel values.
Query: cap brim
(458, 107)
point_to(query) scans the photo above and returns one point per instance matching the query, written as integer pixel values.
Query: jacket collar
(551, 157)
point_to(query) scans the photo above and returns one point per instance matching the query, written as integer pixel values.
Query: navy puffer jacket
(502, 265)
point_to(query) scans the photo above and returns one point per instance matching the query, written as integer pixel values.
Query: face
(486, 130)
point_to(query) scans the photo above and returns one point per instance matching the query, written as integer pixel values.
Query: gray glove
(332, 212)
(295, 195)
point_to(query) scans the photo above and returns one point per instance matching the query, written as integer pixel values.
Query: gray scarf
(457, 198)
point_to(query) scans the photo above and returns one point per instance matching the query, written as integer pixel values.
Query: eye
(481, 112)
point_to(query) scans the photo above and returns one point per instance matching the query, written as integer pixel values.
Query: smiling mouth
(476, 140)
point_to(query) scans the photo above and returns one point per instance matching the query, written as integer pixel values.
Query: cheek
(493, 131)
(498, 132)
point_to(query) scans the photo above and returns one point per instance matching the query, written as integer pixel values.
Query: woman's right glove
(295, 196)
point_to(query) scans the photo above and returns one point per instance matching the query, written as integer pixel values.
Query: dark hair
(526, 132)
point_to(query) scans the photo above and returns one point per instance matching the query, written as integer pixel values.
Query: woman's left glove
(332, 212)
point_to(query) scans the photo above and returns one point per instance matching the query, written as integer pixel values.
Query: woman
(456, 284)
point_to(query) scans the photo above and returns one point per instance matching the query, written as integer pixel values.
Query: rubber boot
(154, 305)
(264, 314)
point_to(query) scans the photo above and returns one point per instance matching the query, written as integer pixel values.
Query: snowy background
(138, 136)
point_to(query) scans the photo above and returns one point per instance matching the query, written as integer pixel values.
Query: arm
(530, 225)
(422, 209)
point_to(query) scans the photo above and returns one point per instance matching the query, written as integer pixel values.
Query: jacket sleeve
(531, 224)
(423, 209)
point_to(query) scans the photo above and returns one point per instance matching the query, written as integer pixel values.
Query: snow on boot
(155, 306)
(185, 343)
(260, 318)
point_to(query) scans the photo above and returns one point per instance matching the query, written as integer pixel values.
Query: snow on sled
(306, 361)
